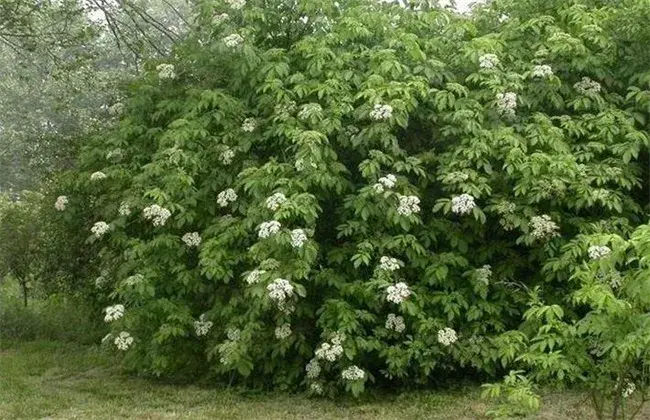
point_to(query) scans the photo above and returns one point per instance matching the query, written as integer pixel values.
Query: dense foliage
(334, 194)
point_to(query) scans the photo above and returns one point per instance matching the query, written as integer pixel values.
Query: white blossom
(507, 103)
(280, 290)
(233, 40)
(587, 87)
(236, 4)
(202, 327)
(298, 238)
(283, 331)
(408, 204)
(158, 214)
(353, 373)
(124, 209)
(381, 112)
(313, 369)
(542, 71)
(96, 176)
(113, 313)
(99, 229)
(227, 156)
(395, 323)
(329, 352)
(398, 292)
(233, 334)
(134, 280)
(166, 71)
(254, 276)
(488, 61)
(447, 336)
(316, 388)
(115, 154)
(389, 263)
(226, 197)
(60, 203)
(484, 273)
(597, 252)
(192, 239)
(543, 227)
(267, 229)
(275, 201)
(249, 125)
(630, 387)
(116, 109)
(462, 204)
(388, 181)
(378, 188)
(123, 341)
(220, 18)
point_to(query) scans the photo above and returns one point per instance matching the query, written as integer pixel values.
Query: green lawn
(63, 381)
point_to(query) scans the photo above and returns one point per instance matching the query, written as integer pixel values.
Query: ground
(50, 380)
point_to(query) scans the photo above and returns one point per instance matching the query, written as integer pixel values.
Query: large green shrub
(358, 188)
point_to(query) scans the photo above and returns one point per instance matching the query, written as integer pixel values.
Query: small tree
(19, 237)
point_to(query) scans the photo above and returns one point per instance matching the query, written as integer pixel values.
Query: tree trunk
(24, 286)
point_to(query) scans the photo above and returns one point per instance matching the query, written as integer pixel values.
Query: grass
(56, 380)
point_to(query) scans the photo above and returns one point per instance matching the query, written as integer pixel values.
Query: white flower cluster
(283, 331)
(408, 204)
(233, 40)
(166, 71)
(313, 369)
(542, 71)
(597, 252)
(60, 203)
(381, 112)
(254, 276)
(124, 209)
(387, 181)
(331, 351)
(267, 229)
(249, 125)
(226, 197)
(484, 273)
(389, 263)
(227, 156)
(275, 201)
(96, 176)
(488, 61)
(202, 327)
(462, 204)
(507, 103)
(99, 229)
(220, 18)
(116, 109)
(134, 280)
(192, 239)
(353, 373)
(316, 388)
(298, 238)
(543, 227)
(280, 290)
(236, 4)
(398, 292)
(308, 110)
(158, 214)
(123, 341)
(447, 336)
(115, 154)
(587, 87)
(113, 313)
(395, 323)
(233, 334)
(629, 389)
